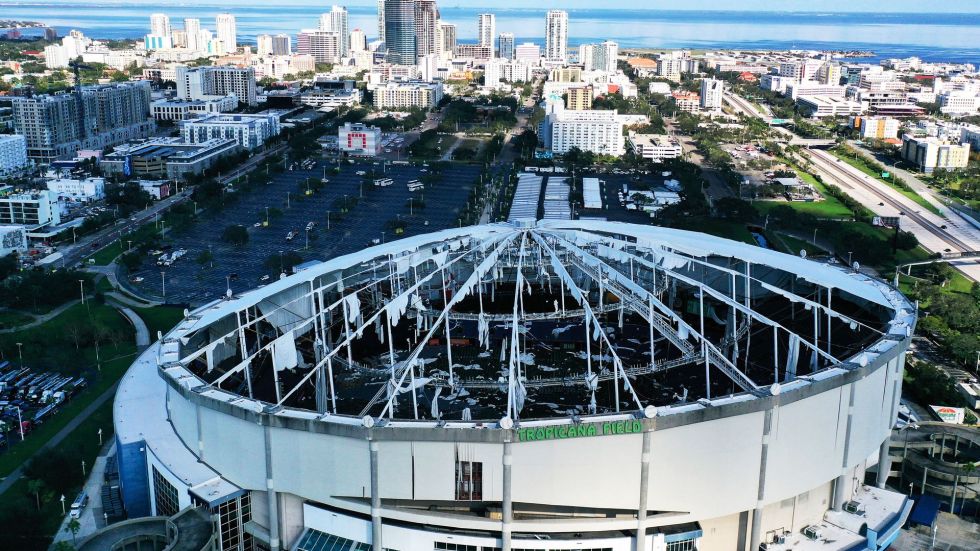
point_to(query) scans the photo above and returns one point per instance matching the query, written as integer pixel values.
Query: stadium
(556, 385)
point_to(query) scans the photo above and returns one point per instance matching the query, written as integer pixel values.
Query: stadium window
(683, 545)
(469, 480)
(164, 495)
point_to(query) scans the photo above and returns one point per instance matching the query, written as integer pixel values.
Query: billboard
(950, 414)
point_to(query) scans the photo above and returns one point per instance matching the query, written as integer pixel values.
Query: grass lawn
(860, 165)
(108, 254)
(115, 359)
(794, 245)
(160, 318)
(830, 207)
(464, 149)
(81, 444)
(13, 318)
(720, 228)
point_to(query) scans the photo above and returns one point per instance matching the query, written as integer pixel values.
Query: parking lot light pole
(328, 219)
(81, 289)
(228, 283)
(20, 424)
(20, 353)
(382, 237)
(307, 238)
(163, 285)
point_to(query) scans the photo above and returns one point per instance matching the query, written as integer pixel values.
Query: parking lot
(188, 281)
(612, 209)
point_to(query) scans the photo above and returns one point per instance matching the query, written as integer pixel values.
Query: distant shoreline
(850, 54)
(12, 24)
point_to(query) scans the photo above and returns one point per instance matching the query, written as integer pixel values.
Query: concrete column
(841, 483)
(884, 463)
(507, 516)
(375, 499)
(641, 514)
(756, 533)
(274, 544)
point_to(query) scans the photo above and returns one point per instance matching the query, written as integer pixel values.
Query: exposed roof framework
(515, 322)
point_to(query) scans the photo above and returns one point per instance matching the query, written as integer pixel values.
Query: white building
(336, 21)
(160, 24)
(505, 46)
(929, 154)
(13, 154)
(358, 41)
(800, 70)
(814, 88)
(528, 52)
(178, 110)
(712, 93)
(600, 132)
(88, 189)
(250, 131)
(879, 128)
(198, 83)
(826, 106)
(359, 139)
(958, 103)
(331, 99)
(57, 56)
(656, 147)
(670, 66)
(34, 209)
(263, 44)
(226, 32)
(556, 36)
(399, 95)
(486, 29)
(658, 87)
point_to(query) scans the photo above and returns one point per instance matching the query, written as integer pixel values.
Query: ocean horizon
(932, 37)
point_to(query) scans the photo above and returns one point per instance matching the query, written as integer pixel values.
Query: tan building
(930, 153)
(566, 74)
(579, 99)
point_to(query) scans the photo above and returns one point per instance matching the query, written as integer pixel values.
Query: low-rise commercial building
(929, 154)
(878, 128)
(688, 102)
(600, 132)
(824, 106)
(87, 189)
(359, 139)
(179, 110)
(250, 131)
(33, 209)
(167, 157)
(400, 95)
(330, 98)
(656, 147)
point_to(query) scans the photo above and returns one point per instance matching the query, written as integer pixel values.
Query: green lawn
(57, 333)
(830, 207)
(12, 318)
(863, 167)
(81, 444)
(160, 318)
(794, 245)
(720, 228)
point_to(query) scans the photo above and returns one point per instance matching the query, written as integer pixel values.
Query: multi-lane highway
(936, 233)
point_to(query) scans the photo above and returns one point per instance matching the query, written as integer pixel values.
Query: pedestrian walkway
(92, 517)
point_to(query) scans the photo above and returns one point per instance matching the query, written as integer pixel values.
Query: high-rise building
(505, 45)
(13, 154)
(556, 36)
(486, 29)
(263, 44)
(586, 56)
(381, 20)
(160, 24)
(447, 40)
(324, 46)
(282, 45)
(195, 83)
(528, 52)
(336, 21)
(57, 126)
(426, 23)
(830, 73)
(605, 57)
(712, 92)
(399, 20)
(227, 33)
(192, 28)
(579, 98)
(358, 41)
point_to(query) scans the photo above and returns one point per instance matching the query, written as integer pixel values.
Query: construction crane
(76, 66)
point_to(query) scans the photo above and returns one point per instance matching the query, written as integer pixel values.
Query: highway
(885, 201)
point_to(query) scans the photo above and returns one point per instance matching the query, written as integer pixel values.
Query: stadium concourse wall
(714, 464)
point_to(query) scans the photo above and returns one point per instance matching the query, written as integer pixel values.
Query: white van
(80, 503)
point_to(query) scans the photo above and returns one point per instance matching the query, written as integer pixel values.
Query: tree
(131, 261)
(236, 234)
(73, 526)
(205, 257)
(8, 265)
(35, 487)
(282, 262)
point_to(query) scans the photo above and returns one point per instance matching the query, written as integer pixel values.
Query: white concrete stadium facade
(717, 474)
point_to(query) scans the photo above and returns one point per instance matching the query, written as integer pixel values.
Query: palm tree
(35, 487)
(73, 526)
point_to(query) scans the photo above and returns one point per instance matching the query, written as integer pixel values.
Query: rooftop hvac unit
(854, 507)
(812, 532)
(779, 538)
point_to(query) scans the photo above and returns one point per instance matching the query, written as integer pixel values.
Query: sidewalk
(91, 518)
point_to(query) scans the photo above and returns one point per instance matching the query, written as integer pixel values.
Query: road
(101, 239)
(885, 201)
